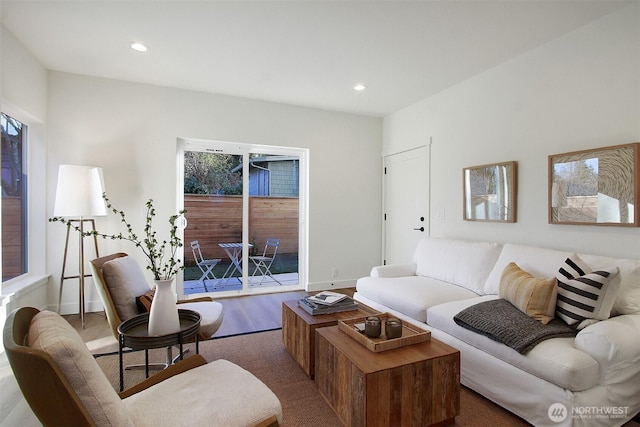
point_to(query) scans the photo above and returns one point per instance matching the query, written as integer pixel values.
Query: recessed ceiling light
(139, 47)
(359, 87)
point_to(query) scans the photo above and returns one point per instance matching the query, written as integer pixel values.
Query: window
(242, 200)
(14, 198)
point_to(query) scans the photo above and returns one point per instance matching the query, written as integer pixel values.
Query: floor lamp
(78, 196)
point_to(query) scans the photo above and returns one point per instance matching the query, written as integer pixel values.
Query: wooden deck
(234, 284)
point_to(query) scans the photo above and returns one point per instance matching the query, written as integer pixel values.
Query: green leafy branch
(153, 250)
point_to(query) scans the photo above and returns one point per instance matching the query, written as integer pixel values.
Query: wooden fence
(11, 237)
(218, 219)
(212, 220)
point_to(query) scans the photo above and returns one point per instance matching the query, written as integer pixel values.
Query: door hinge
(385, 217)
(385, 170)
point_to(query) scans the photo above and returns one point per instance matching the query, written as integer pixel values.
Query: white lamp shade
(79, 192)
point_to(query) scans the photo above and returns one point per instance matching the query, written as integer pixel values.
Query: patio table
(234, 252)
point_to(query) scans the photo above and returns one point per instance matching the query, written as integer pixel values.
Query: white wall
(130, 130)
(24, 79)
(577, 92)
(23, 95)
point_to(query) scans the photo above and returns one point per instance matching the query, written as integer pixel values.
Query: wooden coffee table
(298, 330)
(416, 385)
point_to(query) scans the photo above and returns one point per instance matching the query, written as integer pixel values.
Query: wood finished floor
(258, 312)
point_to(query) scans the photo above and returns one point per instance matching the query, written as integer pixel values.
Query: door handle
(421, 229)
(181, 222)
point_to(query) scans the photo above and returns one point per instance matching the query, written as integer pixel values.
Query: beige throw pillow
(534, 296)
(125, 281)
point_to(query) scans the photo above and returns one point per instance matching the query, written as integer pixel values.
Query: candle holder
(372, 326)
(393, 328)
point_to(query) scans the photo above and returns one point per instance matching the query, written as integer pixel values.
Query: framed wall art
(490, 192)
(595, 187)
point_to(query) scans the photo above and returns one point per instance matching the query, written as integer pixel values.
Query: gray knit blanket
(503, 322)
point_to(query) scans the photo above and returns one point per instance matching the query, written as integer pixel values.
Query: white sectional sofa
(589, 379)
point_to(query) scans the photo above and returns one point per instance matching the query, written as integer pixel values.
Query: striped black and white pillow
(585, 296)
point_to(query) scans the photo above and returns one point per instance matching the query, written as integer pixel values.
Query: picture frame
(490, 192)
(595, 187)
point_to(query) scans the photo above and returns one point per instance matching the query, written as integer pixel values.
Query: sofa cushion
(462, 263)
(534, 296)
(628, 298)
(411, 295)
(229, 396)
(585, 296)
(51, 333)
(125, 281)
(556, 360)
(540, 262)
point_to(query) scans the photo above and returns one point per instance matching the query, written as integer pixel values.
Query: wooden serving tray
(410, 334)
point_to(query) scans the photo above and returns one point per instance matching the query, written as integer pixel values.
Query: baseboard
(72, 307)
(336, 284)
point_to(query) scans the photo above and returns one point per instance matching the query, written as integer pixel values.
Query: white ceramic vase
(163, 316)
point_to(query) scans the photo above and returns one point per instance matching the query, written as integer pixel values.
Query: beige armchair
(121, 281)
(64, 385)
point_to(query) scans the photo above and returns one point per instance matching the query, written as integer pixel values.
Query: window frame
(24, 197)
(244, 149)
(36, 201)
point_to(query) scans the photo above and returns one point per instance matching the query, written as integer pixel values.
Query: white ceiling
(307, 53)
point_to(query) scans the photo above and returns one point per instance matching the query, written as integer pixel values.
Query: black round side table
(133, 333)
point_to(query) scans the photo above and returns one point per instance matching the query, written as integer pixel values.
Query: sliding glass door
(246, 217)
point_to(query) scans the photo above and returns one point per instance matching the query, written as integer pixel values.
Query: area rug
(264, 355)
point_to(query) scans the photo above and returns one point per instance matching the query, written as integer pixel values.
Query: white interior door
(406, 203)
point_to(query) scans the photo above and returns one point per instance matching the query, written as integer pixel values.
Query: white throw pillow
(125, 281)
(628, 299)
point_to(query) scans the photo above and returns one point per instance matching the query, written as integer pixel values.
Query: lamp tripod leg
(81, 265)
(81, 275)
(64, 266)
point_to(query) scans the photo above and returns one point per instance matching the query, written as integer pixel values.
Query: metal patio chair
(205, 265)
(263, 262)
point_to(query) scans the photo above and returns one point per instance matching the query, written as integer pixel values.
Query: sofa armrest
(614, 343)
(182, 366)
(393, 270)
